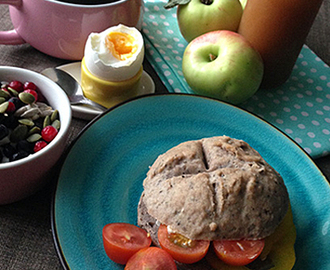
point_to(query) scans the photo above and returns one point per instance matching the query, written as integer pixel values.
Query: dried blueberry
(25, 146)
(17, 102)
(18, 155)
(3, 131)
(8, 150)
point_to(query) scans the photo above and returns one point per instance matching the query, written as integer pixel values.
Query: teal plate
(101, 179)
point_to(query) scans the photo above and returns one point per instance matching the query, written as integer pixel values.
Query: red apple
(223, 65)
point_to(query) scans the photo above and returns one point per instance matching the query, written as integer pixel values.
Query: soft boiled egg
(115, 54)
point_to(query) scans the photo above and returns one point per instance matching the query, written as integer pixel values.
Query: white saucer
(86, 112)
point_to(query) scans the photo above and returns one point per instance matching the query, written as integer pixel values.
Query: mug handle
(11, 37)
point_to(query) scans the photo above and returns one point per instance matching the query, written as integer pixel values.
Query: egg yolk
(121, 45)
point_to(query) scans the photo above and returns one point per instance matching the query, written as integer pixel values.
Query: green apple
(222, 65)
(201, 16)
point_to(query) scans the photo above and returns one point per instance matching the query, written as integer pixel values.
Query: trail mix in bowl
(27, 122)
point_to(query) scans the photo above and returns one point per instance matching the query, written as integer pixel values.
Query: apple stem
(212, 57)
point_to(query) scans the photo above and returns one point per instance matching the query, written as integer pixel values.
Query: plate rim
(56, 239)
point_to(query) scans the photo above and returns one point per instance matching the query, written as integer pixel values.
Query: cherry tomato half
(122, 240)
(181, 248)
(238, 253)
(151, 258)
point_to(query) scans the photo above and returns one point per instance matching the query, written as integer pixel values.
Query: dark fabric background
(25, 229)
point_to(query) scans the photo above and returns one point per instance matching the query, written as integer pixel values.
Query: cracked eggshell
(104, 65)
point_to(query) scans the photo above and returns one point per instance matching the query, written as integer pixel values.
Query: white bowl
(21, 178)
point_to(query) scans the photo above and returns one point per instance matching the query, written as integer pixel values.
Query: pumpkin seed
(34, 137)
(19, 133)
(56, 124)
(46, 121)
(4, 106)
(34, 129)
(27, 98)
(12, 91)
(4, 93)
(26, 122)
(54, 116)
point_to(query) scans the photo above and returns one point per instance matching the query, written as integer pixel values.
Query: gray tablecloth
(25, 229)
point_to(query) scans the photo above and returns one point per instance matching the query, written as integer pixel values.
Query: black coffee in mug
(88, 2)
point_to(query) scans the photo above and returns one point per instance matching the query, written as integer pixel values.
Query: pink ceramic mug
(60, 29)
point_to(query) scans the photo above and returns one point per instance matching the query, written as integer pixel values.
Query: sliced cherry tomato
(151, 258)
(122, 240)
(181, 248)
(238, 252)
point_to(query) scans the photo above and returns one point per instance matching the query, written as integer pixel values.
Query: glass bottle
(278, 29)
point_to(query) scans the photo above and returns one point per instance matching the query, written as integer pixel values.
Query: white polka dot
(323, 78)
(156, 8)
(304, 113)
(326, 131)
(298, 140)
(293, 118)
(301, 126)
(286, 109)
(158, 59)
(327, 120)
(309, 93)
(279, 121)
(166, 58)
(166, 23)
(167, 73)
(327, 108)
(311, 134)
(288, 131)
(304, 63)
(319, 88)
(309, 104)
(159, 32)
(309, 80)
(317, 145)
(315, 123)
(170, 31)
(313, 70)
(308, 150)
(319, 100)
(301, 73)
(297, 106)
(162, 17)
(165, 66)
(319, 112)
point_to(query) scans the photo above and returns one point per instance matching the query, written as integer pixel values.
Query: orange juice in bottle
(278, 29)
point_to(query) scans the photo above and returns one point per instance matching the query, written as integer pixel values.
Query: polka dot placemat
(300, 107)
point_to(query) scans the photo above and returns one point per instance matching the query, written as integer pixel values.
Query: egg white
(104, 65)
